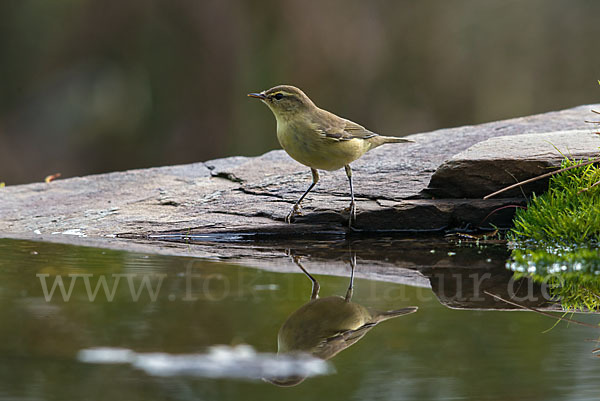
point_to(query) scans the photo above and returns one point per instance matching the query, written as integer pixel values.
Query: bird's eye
(279, 96)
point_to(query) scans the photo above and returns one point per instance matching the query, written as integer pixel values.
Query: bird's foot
(296, 211)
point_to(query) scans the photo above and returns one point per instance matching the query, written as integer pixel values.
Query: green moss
(555, 239)
(563, 216)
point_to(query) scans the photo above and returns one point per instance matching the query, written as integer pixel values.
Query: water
(207, 312)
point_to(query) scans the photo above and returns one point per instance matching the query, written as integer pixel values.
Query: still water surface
(437, 353)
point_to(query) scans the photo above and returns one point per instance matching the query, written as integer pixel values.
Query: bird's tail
(380, 140)
(395, 139)
(381, 316)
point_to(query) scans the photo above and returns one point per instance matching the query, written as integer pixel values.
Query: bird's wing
(352, 336)
(344, 130)
(342, 340)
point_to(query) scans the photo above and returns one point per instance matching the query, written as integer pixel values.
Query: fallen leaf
(52, 177)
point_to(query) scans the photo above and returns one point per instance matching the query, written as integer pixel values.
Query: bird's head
(285, 101)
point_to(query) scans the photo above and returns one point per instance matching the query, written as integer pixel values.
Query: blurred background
(90, 86)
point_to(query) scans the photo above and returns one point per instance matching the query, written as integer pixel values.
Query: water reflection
(209, 312)
(324, 327)
(220, 361)
(489, 289)
(571, 275)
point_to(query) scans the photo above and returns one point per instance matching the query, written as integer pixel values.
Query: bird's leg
(296, 207)
(352, 207)
(351, 286)
(315, 284)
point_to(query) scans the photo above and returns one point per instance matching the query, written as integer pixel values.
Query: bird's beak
(260, 96)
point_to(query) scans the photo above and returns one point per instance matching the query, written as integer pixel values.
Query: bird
(318, 138)
(323, 327)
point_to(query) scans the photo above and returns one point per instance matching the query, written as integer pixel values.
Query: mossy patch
(568, 215)
(555, 239)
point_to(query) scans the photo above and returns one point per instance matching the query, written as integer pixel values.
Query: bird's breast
(305, 145)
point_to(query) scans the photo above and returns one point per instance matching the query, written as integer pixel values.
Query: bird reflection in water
(323, 327)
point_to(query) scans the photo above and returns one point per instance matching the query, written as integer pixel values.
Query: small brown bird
(317, 138)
